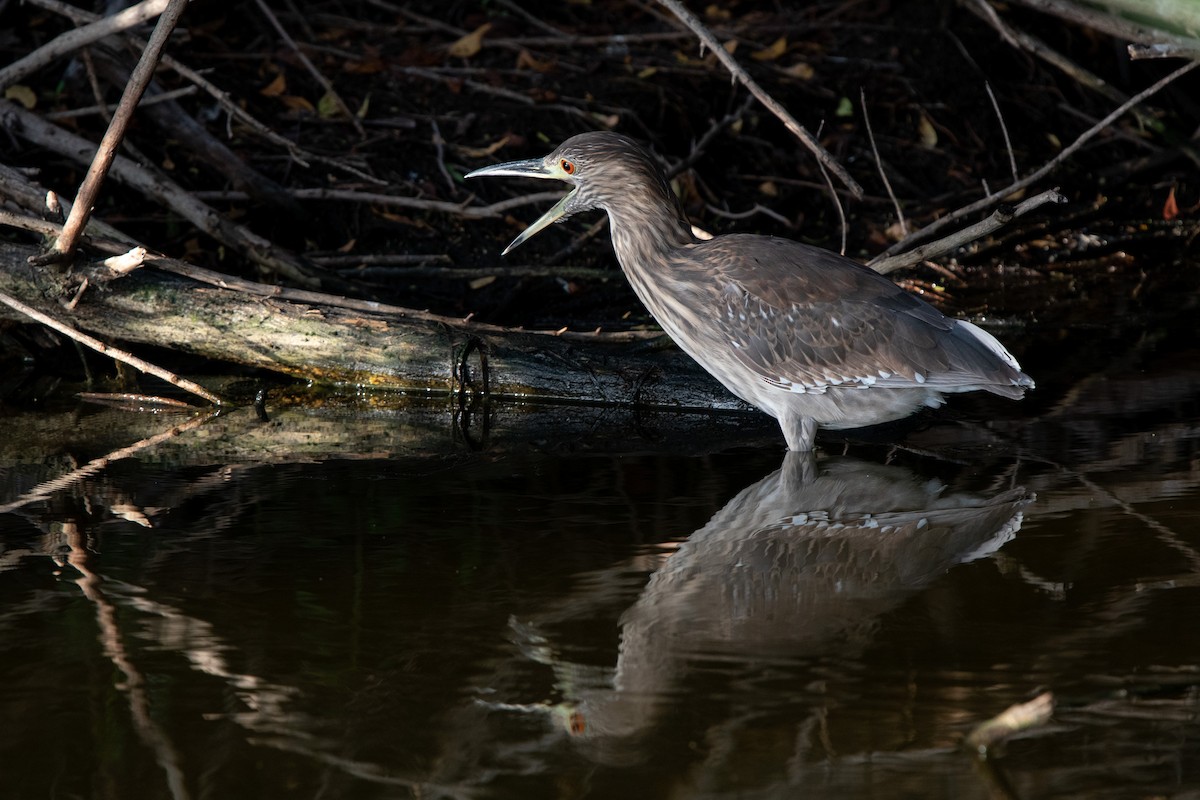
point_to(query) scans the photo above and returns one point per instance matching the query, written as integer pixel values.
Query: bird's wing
(807, 319)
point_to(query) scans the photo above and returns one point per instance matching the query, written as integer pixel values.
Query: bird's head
(604, 168)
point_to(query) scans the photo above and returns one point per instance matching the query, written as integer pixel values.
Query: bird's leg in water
(800, 432)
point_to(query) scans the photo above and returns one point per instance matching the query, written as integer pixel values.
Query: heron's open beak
(531, 168)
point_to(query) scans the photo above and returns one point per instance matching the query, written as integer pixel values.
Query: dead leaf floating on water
(470, 44)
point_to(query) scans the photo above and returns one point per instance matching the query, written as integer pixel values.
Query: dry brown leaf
(715, 12)
(479, 283)
(526, 61)
(348, 246)
(371, 65)
(470, 44)
(1171, 207)
(298, 103)
(647, 72)
(768, 188)
(731, 46)
(926, 132)
(774, 51)
(275, 88)
(21, 94)
(801, 70)
(484, 152)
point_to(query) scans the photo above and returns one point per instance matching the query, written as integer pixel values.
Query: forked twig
(708, 40)
(998, 219)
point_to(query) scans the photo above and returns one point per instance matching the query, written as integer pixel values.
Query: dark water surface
(329, 606)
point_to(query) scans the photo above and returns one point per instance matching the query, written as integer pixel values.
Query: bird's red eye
(567, 166)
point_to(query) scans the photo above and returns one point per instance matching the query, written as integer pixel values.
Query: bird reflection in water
(800, 564)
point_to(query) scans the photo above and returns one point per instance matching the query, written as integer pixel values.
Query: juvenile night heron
(810, 337)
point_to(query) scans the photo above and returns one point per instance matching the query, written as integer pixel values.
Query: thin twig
(708, 40)
(837, 202)
(1012, 159)
(887, 184)
(699, 146)
(757, 208)
(108, 350)
(379, 259)
(311, 67)
(107, 109)
(439, 145)
(94, 81)
(1046, 168)
(64, 246)
(441, 206)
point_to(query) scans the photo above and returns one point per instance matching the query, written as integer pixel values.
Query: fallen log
(328, 339)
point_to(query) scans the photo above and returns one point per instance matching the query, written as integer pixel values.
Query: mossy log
(332, 340)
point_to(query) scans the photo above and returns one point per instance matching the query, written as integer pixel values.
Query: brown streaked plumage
(812, 338)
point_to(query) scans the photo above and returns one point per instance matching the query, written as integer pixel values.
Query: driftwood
(366, 344)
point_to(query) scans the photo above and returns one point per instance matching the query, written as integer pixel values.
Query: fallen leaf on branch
(470, 44)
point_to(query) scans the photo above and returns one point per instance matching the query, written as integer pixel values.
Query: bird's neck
(648, 227)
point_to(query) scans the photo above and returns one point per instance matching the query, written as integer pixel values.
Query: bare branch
(998, 219)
